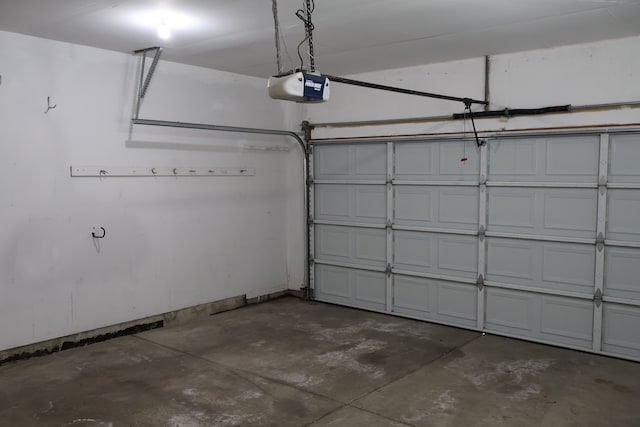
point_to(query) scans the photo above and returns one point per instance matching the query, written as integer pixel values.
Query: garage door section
(621, 297)
(531, 237)
(541, 238)
(395, 228)
(350, 224)
(435, 228)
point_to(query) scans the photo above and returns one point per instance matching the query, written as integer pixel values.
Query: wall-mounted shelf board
(157, 171)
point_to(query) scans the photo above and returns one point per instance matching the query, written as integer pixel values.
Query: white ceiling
(351, 36)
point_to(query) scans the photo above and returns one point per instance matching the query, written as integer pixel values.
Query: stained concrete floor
(295, 363)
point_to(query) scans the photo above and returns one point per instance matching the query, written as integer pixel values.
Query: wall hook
(49, 106)
(95, 236)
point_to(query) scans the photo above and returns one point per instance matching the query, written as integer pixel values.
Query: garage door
(535, 237)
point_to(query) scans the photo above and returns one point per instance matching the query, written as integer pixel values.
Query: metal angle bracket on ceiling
(143, 84)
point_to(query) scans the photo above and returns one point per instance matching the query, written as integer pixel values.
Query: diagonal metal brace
(145, 81)
(467, 104)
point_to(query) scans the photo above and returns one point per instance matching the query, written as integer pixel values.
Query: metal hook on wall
(49, 106)
(95, 236)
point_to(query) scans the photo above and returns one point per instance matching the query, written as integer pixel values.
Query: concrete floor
(293, 363)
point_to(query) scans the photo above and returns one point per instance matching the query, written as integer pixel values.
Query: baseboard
(296, 293)
(168, 319)
(264, 298)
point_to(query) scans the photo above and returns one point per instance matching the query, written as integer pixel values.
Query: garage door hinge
(310, 181)
(310, 221)
(481, 233)
(483, 180)
(389, 224)
(388, 270)
(600, 242)
(480, 282)
(597, 298)
(312, 261)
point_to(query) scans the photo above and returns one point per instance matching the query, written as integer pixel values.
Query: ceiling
(351, 36)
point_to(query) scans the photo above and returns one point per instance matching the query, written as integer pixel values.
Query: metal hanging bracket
(49, 106)
(98, 236)
(145, 81)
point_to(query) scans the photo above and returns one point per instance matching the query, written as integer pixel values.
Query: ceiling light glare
(166, 23)
(164, 31)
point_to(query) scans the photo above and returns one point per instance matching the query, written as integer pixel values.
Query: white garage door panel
(437, 207)
(621, 329)
(435, 253)
(433, 161)
(510, 311)
(624, 158)
(559, 266)
(351, 245)
(351, 286)
(369, 289)
(563, 159)
(351, 203)
(547, 249)
(544, 317)
(566, 320)
(333, 283)
(624, 215)
(370, 161)
(333, 162)
(351, 162)
(435, 300)
(546, 211)
(622, 273)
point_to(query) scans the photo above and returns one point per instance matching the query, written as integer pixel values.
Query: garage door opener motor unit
(300, 87)
(303, 84)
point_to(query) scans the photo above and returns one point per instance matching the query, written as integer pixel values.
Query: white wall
(602, 72)
(171, 242)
